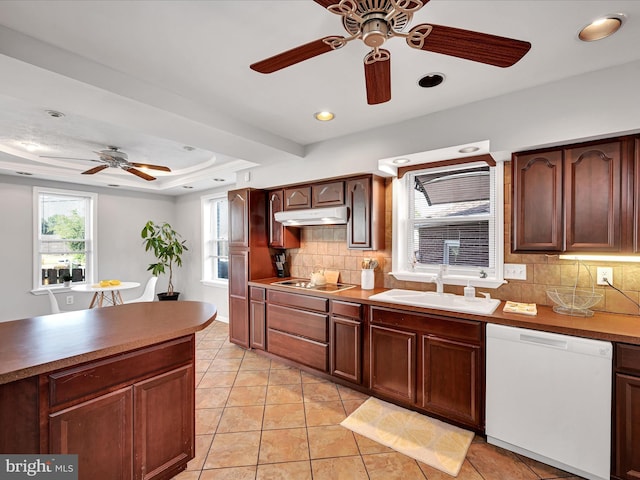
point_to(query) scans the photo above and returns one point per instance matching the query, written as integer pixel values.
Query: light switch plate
(515, 271)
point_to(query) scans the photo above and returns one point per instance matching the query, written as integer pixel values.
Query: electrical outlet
(69, 299)
(604, 273)
(515, 271)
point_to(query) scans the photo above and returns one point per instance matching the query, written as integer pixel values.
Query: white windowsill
(215, 283)
(449, 279)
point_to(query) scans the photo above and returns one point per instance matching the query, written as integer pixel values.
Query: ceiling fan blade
(139, 173)
(377, 73)
(93, 170)
(326, 3)
(293, 56)
(475, 46)
(152, 167)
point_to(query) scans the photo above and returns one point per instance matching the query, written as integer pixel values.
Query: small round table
(101, 294)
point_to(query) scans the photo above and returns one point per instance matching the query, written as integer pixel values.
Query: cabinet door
(164, 423)
(279, 235)
(636, 196)
(359, 203)
(257, 317)
(450, 379)
(238, 298)
(346, 354)
(238, 218)
(394, 378)
(627, 427)
(537, 202)
(297, 197)
(592, 197)
(327, 194)
(100, 432)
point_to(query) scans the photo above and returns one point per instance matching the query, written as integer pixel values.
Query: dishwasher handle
(546, 341)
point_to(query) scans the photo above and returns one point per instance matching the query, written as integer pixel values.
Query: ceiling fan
(113, 157)
(376, 21)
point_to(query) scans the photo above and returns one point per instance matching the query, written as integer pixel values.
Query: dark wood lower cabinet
(392, 363)
(346, 350)
(258, 318)
(626, 448)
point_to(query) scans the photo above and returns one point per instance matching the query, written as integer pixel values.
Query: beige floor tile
(205, 354)
(467, 472)
(212, 397)
(288, 445)
(310, 378)
(207, 343)
(324, 413)
(241, 419)
(351, 468)
(233, 450)
(217, 379)
(207, 420)
(331, 441)
(230, 352)
(284, 377)
(203, 442)
(368, 446)
(288, 415)
(284, 394)
(252, 378)
(543, 470)
(285, 471)
(232, 473)
(202, 365)
(258, 363)
(280, 365)
(351, 406)
(225, 364)
(320, 392)
(393, 466)
(349, 394)
(198, 376)
(495, 463)
(242, 396)
(188, 475)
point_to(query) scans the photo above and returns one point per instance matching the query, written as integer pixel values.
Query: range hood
(313, 216)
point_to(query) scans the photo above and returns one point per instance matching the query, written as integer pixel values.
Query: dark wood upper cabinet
(635, 196)
(592, 197)
(577, 198)
(365, 199)
(238, 216)
(327, 194)
(297, 197)
(279, 235)
(537, 202)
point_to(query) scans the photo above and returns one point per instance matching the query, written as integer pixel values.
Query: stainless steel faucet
(438, 279)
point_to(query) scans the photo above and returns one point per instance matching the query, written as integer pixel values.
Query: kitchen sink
(440, 301)
(306, 284)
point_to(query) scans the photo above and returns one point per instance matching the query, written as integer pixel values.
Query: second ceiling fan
(376, 21)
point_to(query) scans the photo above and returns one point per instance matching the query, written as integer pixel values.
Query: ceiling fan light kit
(376, 21)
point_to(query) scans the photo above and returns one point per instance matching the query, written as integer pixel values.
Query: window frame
(91, 237)
(206, 203)
(402, 193)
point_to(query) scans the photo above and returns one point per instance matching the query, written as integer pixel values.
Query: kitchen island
(114, 385)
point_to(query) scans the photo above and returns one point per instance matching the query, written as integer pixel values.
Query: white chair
(149, 292)
(55, 308)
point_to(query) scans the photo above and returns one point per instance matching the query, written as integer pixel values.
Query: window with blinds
(451, 219)
(215, 214)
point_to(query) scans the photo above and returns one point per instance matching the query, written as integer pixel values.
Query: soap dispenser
(469, 291)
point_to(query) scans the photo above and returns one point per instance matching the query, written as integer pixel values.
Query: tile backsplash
(326, 246)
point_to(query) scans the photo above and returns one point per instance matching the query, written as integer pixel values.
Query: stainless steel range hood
(313, 216)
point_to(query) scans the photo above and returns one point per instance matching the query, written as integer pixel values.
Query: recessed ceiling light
(188, 187)
(601, 28)
(188, 148)
(55, 113)
(470, 149)
(218, 179)
(401, 161)
(324, 116)
(431, 80)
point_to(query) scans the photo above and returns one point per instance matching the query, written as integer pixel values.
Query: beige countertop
(41, 344)
(602, 326)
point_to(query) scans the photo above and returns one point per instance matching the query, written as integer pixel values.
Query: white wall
(121, 216)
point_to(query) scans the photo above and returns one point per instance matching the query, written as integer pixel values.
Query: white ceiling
(152, 77)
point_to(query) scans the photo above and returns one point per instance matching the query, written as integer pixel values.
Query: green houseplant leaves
(167, 246)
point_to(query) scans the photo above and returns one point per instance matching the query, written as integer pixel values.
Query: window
(450, 216)
(64, 237)
(215, 225)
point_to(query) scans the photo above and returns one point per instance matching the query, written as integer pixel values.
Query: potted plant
(168, 248)
(66, 280)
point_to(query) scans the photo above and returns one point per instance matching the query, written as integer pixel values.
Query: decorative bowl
(572, 301)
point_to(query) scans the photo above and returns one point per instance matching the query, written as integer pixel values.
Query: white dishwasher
(549, 398)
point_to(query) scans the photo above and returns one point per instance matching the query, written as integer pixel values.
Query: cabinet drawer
(93, 378)
(298, 322)
(301, 350)
(294, 300)
(459, 329)
(257, 293)
(628, 358)
(346, 309)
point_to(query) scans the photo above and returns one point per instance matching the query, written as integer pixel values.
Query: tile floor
(259, 419)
